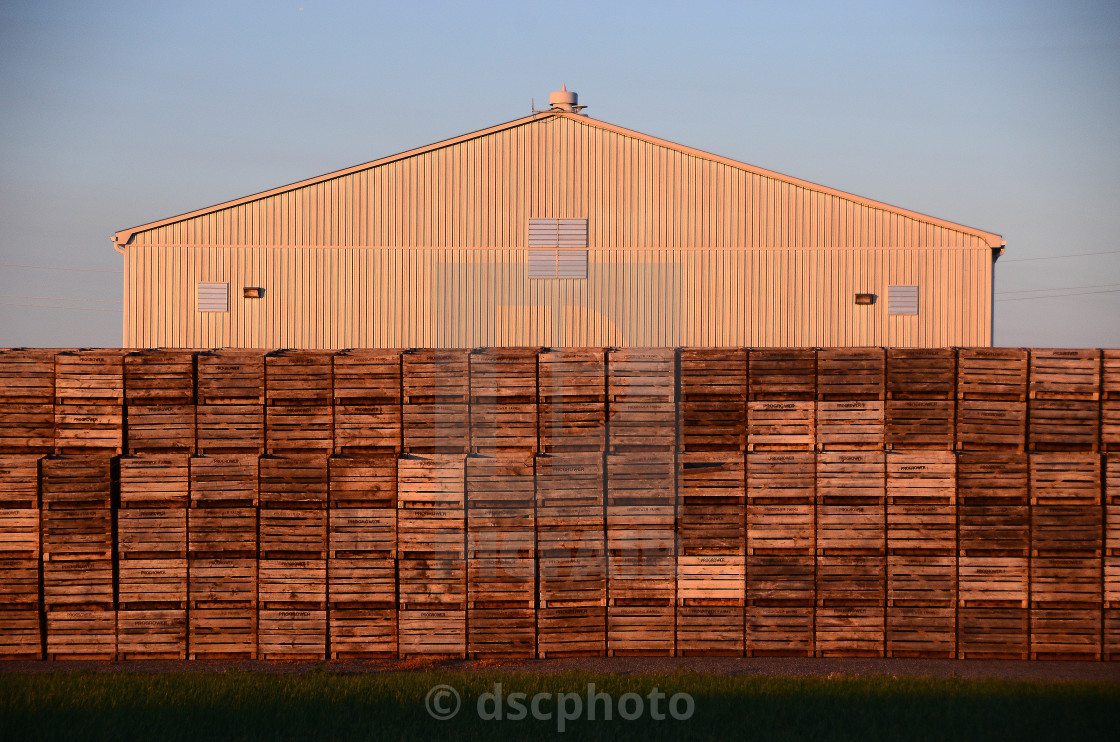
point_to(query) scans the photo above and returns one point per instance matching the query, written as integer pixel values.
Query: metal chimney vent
(564, 100)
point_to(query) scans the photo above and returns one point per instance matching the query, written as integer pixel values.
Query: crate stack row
(20, 620)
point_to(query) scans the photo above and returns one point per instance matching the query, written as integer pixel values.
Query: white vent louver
(213, 297)
(566, 259)
(902, 300)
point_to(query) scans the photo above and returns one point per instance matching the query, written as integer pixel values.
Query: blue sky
(998, 115)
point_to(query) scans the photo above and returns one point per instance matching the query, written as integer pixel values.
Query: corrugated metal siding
(481, 192)
(360, 297)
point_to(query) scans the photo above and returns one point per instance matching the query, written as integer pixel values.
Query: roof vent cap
(564, 100)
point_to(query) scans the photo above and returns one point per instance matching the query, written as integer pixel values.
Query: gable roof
(122, 238)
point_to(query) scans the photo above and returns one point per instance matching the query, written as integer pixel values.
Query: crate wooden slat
(708, 374)
(503, 373)
(851, 502)
(712, 425)
(502, 632)
(367, 427)
(425, 582)
(710, 631)
(503, 582)
(159, 377)
(367, 377)
(922, 580)
(1066, 582)
(993, 581)
(19, 533)
(365, 581)
(1066, 633)
(294, 481)
(921, 373)
(152, 584)
(295, 426)
(1111, 467)
(431, 499)
(300, 375)
(20, 637)
(850, 631)
(641, 478)
(571, 426)
(993, 633)
(712, 580)
(152, 533)
(222, 633)
(993, 510)
(218, 531)
(571, 631)
(300, 532)
(993, 373)
(572, 374)
(921, 424)
(781, 492)
(26, 427)
(1066, 513)
(641, 530)
(1064, 425)
(781, 425)
(1064, 373)
(501, 531)
(363, 633)
(26, 376)
(442, 427)
(292, 634)
(361, 531)
(230, 376)
(367, 480)
(432, 633)
(568, 480)
(229, 480)
(72, 584)
(155, 480)
(641, 580)
(850, 425)
(225, 428)
(19, 583)
(500, 479)
(89, 396)
(991, 425)
(642, 425)
(848, 374)
(782, 374)
(576, 581)
(152, 634)
(846, 580)
(435, 376)
(223, 583)
(82, 634)
(921, 631)
(292, 583)
(76, 519)
(922, 501)
(641, 630)
(158, 428)
(779, 630)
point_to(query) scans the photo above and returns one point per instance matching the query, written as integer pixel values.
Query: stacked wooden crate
(159, 392)
(921, 554)
(152, 556)
(851, 554)
(641, 501)
(850, 407)
(19, 557)
(711, 502)
(572, 557)
(921, 398)
(222, 556)
(292, 569)
(992, 399)
(435, 401)
(299, 391)
(362, 567)
(1067, 542)
(1111, 648)
(230, 401)
(89, 401)
(79, 590)
(367, 401)
(26, 401)
(993, 543)
(781, 554)
(1065, 411)
(1110, 400)
(501, 555)
(782, 393)
(431, 561)
(572, 411)
(503, 390)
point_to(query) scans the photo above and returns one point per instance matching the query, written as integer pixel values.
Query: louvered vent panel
(213, 297)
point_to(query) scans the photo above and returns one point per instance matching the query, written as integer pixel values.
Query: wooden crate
(215, 532)
(641, 478)
(76, 481)
(159, 377)
(222, 633)
(367, 377)
(19, 480)
(1066, 513)
(921, 631)
(642, 425)
(502, 632)
(436, 427)
(1064, 425)
(435, 376)
(73, 584)
(921, 373)
(781, 425)
(152, 634)
(230, 480)
(294, 480)
(508, 374)
(293, 533)
(1066, 633)
(432, 633)
(993, 633)
(782, 374)
(850, 425)
(231, 376)
(712, 580)
(710, 631)
(571, 632)
(361, 581)
(566, 426)
(155, 480)
(81, 634)
(641, 530)
(423, 529)
(993, 581)
(572, 374)
(501, 532)
(223, 583)
(641, 631)
(922, 502)
(1111, 465)
(993, 511)
(152, 533)
(363, 531)
(991, 425)
(19, 583)
(26, 427)
(568, 480)
(776, 629)
(227, 428)
(501, 479)
(641, 580)
(711, 503)
(425, 582)
(1110, 400)
(151, 584)
(76, 534)
(712, 425)
(500, 583)
(1064, 373)
(781, 509)
(363, 633)
(572, 582)
(360, 428)
(296, 426)
(849, 580)
(849, 374)
(20, 637)
(292, 584)
(19, 533)
(993, 374)
(26, 401)
(642, 374)
(851, 507)
(713, 374)
(850, 631)
(367, 480)
(1065, 582)
(160, 428)
(89, 400)
(299, 411)
(431, 512)
(292, 634)
(922, 580)
(921, 424)
(1110, 639)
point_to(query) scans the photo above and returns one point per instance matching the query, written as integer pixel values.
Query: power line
(60, 298)
(57, 268)
(1059, 257)
(1055, 296)
(41, 306)
(1063, 288)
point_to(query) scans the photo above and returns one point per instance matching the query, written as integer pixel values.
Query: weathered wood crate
(502, 632)
(569, 503)
(26, 401)
(230, 480)
(1066, 582)
(641, 630)
(367, 377)
(922, 502)
(227, 428)
(76, 517)
(1065, 373)
(850, 425)
(991, 425)
(1066, 512)
(711, 503)
(571, 631)
(155, 480)
(363, 633)
(501, 504)
(160, 428)
(848, 580)
(1110, 400)
(75, 584)
(993, 581)
(432, 633)
(921, 424)
(710, 631)
(851, 503)
(221, 583)
(1066, 633)
(362, 581)
(152, 533)
(19, 533)
(292, 634)
(575, 581)
(503, 391)
(160, 400)
(849, 374)
(641, 479)
(19, 583)
(642, 425)
(850, 631)
(642, 392)
(501, 532)
(431, 582)
(222, 633)
(436, 399)
(713, 392)
(1064, 425)
(641, 580)
(431, 512)
(359, 428)
(152, 584)
(216, 532)
(82, 634)
(789, 425)
(993, 512)
(292, 584)
(570, 426)
(76, 533)
(921, 631)
(231, 397)
(436, 427)
(294, 533)
(501, 582)
(781, 503)
(921, 373)
(20, 637)
(299, 413)
(294, 481)
(993, 374)
(365, 480)
(712, 580)
(712, 425)
(776, 629)
(782, 374)
(1111, 465)
(362, 532)
(922, 580)
(993, 633)
(152, 634)
(89, 400)
(641, 530)
(572, 388)
(19, 480)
